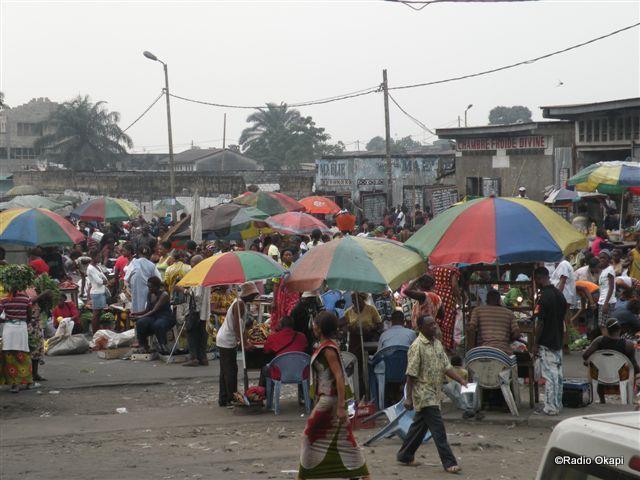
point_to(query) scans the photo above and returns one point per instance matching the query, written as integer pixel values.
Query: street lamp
(172, 180)
(465, 112)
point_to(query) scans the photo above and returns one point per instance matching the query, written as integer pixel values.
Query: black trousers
(429, 418)
(228, 375)
(197, 340)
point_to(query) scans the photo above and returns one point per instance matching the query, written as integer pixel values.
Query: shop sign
(502, 143)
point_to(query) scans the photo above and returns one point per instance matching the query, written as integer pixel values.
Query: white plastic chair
(608, 364)
(350, 364)
(492, 369)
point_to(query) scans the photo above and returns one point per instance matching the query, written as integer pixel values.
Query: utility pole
(172, 168)
(224, 132)
(358, 145)
(458, 121)
(387, 131)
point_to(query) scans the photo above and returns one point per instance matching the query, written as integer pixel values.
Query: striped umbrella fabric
(106, 209)
(356, 264)
(271, 203)
(231, 268)
(320, 205)
(296, 223)
(36, 226)
(607, 177)
(496, 230)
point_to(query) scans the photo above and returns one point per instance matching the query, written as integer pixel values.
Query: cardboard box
(144, 357)
(113, 353)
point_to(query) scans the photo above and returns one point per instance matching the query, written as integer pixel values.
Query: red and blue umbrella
(36, 226)
(496, 230)
(106, 209)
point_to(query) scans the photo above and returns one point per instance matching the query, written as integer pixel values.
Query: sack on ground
(69, 345)
(104, 339)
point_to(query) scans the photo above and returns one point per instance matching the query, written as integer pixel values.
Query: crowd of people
(595, 292)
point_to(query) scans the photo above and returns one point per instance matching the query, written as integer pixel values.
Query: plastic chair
(493, 369)
(608, 365)
(350, 364)
(387, 365)
(400, 419)
(288, 368)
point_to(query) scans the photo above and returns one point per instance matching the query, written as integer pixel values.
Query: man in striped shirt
(492, 325)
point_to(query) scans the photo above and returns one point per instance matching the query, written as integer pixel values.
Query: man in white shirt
(590, 272)
(606, 282)
(563, 278)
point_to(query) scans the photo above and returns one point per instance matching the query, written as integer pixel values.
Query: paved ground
(173, 429)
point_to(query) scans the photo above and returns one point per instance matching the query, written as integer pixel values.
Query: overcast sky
(253, 52)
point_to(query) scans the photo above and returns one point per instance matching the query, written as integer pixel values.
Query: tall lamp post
(172, 179)
(465, 110)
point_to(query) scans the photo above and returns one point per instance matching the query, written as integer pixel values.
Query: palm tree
(86, 136)
(2, 104)
(281, 136)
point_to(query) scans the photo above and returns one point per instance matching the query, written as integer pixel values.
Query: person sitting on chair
(67, 309)
(284, 340)
(157, 319)
(492, 325)
(398, 334)
(612, 341)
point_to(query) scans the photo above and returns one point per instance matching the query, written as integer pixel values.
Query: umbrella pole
(245, 376)
(365, 358)
(621, 210)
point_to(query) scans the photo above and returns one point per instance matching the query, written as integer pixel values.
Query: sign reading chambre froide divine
(528, 142)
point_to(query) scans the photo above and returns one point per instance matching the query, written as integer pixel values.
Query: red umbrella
(320, 205)
(296, 223)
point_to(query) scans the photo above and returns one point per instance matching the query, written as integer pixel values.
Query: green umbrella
(164, 206)
(23, 190)
(33, 201)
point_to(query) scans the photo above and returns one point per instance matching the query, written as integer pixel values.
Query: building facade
(604, 131)
(498, 159)
(20, 127)
(358, 181)
(210, 160)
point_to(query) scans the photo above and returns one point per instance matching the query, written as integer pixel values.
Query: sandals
(14, 389)
(454, 469)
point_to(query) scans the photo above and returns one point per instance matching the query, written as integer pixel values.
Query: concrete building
(498, 159)
(604, 131)
(358, 180)
(210, 160)
(20, 127)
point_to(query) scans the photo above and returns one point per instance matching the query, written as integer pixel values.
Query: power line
(415, 120)
(145, 112)
(419, 5)
(517, 64)
(336, 98)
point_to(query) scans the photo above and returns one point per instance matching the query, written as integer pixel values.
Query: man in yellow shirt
(634, 258)
(426, 368)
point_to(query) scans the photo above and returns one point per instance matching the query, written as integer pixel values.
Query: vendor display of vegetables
(579, 344)
(43, 283)
(258, 333)
(107, 317)
(16, 277)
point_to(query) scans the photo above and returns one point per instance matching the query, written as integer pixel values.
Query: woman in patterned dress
(448, 290)
(15, 361)
(329, 449)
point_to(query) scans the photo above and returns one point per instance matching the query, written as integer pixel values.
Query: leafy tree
(2, 104)
(336, 149)
(280, 137)
(503, 115)
(378, 144)
(86, 136)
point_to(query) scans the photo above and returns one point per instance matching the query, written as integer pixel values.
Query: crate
(113, 353)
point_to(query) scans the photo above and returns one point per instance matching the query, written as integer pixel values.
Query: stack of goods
(258, 333)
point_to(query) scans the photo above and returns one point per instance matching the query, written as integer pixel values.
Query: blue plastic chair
(400, 419)
(292, 368)
(388, 365)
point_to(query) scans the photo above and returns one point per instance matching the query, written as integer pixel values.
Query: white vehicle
(593, 447)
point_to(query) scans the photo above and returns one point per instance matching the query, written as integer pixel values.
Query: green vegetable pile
(43, 283)
(85, 319)
(16, 277)
(579, 344)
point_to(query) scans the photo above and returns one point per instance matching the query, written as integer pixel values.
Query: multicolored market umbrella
(35, 226)
(232, 268)
(106, 209)
(165, 205)
(607, 177)
(271, 203)
(23, 190)
(320, 205)
(356, 264)
(229, 221)
(33, 201)
(496, 230)
(296, 223)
